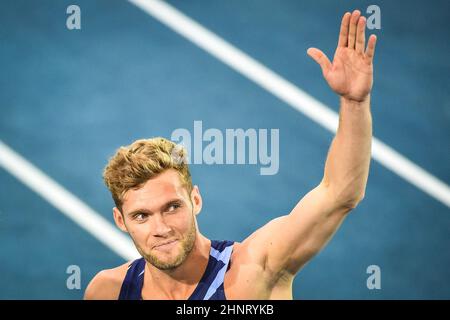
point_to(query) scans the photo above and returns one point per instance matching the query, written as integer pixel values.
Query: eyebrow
(163, 207)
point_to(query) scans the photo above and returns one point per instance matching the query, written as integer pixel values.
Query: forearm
(347, 165)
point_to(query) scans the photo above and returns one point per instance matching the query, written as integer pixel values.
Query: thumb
(320, 58)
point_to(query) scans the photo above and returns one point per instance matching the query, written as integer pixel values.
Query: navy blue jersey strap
(134, 279)
(210, 286)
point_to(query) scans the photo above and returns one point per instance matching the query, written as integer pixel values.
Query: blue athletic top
(210, 286)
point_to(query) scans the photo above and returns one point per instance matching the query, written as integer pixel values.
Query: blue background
(68, 99)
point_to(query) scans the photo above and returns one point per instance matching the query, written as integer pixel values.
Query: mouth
(166, 246)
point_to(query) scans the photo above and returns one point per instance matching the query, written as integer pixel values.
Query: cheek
(180, 223)
(139, 232)
(187, 222)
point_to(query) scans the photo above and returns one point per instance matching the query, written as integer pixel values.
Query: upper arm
(286, 243)
(104, 286)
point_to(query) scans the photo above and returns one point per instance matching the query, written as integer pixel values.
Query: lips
(166, 245)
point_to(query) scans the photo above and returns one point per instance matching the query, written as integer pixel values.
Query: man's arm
(285, 244)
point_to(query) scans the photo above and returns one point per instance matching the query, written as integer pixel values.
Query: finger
(352, 31)
(343, 34)
(361, 35)
(320, 58)
(370, 51)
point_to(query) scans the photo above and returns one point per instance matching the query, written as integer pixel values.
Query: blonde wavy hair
(144, 159)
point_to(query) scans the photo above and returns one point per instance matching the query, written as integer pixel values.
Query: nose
(161, 229)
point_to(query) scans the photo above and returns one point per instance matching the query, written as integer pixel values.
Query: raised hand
(351, 73)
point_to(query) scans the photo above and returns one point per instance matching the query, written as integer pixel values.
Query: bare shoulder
(106, 284)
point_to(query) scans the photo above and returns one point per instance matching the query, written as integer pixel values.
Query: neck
(181, 281)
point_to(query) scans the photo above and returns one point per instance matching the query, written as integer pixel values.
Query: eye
(173, 207)
(140, 216)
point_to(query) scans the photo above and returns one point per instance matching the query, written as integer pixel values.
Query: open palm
(351, 73)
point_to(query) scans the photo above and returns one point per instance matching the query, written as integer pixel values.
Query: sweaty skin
(264, 265)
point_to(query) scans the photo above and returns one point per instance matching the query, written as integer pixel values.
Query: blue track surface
(68, 99)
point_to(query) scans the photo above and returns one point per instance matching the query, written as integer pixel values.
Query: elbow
(347, 198)
(352, 201)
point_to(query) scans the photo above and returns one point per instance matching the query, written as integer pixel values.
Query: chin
(165, 261)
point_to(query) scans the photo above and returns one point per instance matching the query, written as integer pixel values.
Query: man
(157, 205)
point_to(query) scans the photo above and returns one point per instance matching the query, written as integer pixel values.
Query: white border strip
(288, 93)
(67, 203)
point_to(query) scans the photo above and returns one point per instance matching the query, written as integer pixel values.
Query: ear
(119, 220)
(196, 199)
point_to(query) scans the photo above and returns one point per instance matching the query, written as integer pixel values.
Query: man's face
(160, 218)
